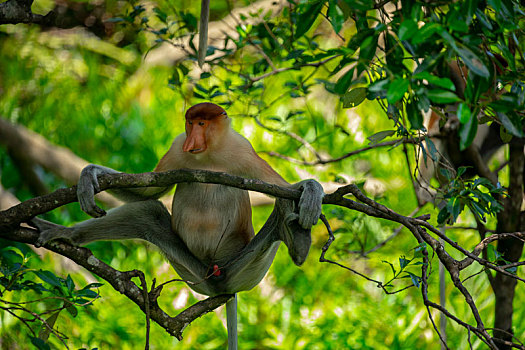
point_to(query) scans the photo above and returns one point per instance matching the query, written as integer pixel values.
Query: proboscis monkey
(209, 238)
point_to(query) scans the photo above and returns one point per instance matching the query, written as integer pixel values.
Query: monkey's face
(196, 130)
(205, 126)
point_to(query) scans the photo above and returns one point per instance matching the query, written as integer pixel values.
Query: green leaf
(368, 49)
(467, 132)
(476, 85)
(415, 279)
(407, 29)
(72, 310)
(446, 173)
(87, 293)
(472, 61)
(189, 20)
(442, 96)
(391, 266)
(160, 14)
(336, 16)
(355, 42)
(344, 82)
(443, 215)
(504, 135)
(463, 113)
(513, 270)
(70, 284)
(362, 5)
(49, 277)
(378, 88)
(512, 124)
(307, 18)
(444, 83)
(480, 15)
(403, 262)
(426, 32)
(418, 251)
(375, 138)
(468, 56)
(39, 343)
(477, 210)
(354, 97)
(397, 89)
(115, 20)
(93, 285)
(457, 23)
(414, 114)
(462, 170)
(431, 148)
(45, 331)
(456, 208)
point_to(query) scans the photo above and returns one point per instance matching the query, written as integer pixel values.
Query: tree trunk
(511, 249)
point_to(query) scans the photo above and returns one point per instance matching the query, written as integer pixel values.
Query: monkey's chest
(213, 220)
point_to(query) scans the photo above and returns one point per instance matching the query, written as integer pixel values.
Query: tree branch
(121, 281)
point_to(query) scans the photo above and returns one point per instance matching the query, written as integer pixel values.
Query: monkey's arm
(88, 185)
(310, 203)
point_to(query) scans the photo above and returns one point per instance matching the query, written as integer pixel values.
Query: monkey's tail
(231, 322)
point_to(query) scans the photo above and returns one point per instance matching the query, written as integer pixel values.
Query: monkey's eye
(190, 122)
(201, 123)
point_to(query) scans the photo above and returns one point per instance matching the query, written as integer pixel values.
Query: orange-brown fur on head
(205, 111)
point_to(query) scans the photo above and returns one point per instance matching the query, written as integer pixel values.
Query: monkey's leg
(248, 268)
(148, 220)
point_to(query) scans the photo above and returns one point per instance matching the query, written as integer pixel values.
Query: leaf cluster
(479, 195)
(43, 301)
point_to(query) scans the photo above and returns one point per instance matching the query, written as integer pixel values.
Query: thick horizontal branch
(26, 210)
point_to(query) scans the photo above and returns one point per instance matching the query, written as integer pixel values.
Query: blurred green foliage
(109, 107)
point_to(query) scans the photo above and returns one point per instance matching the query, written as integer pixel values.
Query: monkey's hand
(49, 231)
(310, 204)
(88, 186)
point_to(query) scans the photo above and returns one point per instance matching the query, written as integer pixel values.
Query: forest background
(331, 90)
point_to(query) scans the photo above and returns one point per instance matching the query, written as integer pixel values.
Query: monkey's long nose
(195, 143)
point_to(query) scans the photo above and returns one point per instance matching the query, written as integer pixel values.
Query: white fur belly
(205, 216)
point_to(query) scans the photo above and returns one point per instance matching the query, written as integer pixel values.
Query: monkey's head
(205, 124)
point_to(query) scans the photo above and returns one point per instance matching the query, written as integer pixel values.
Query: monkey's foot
(297, 239)
(49, 231)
